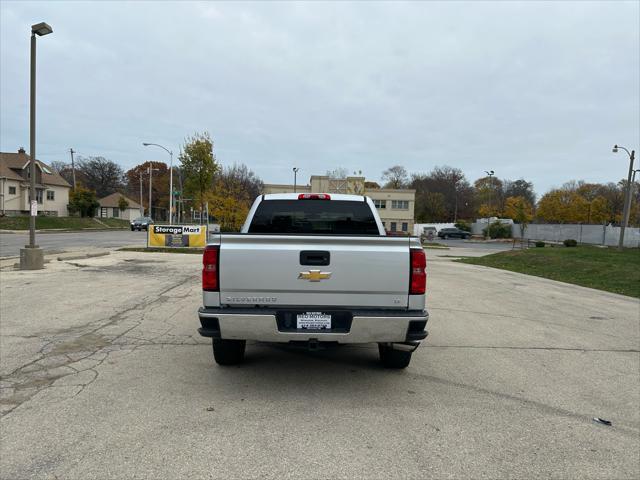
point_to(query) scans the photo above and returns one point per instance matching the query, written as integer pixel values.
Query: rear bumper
(367, 326)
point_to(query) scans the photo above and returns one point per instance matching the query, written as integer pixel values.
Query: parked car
(141, 223)
(314, 269)
(453, 233)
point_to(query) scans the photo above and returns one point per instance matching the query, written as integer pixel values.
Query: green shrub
(82, 201)
(540, 244)
(462, 225)
(570, 242)
(498, 230)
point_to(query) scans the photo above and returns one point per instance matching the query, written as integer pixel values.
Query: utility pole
(73, 168)
(151, 170)
(141, 205)
(627, 197)
(150, 182)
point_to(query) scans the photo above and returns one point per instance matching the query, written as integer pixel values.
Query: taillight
(418, 272)
(210, 277)
(314, 196)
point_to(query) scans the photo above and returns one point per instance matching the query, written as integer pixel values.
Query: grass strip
(61, 223)
(602, 268)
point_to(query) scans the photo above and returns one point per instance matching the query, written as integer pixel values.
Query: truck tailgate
(310, 270)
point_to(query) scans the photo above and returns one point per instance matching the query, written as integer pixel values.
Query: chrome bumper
(366, 327)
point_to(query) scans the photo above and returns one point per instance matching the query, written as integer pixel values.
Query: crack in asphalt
(562, 349)
(627, 430)
(62, 352)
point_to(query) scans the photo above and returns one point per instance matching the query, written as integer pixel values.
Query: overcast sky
(534, 89)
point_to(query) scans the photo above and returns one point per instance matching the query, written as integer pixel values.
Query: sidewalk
(10, 263)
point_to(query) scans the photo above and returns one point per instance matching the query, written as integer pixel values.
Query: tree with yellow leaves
(520, 210)
(234, 190)
(228, 210)
(572, 206)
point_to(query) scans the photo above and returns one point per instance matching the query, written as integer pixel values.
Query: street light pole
(31, 257)
(295, 178)
(32, 147)
(170, 177)
(627, 198)
(490, 174)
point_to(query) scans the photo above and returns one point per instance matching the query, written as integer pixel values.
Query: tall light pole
(627, 198)
(170, 177)
(455, 193)
(31, 257)
(295, 178)
(490, 174)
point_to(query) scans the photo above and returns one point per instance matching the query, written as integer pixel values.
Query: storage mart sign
(177, 236)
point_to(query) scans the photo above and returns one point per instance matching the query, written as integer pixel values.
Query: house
(52, 191)
(395, 206)
(110, 207)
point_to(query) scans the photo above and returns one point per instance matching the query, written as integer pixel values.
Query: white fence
(481, 223)
(592, 234)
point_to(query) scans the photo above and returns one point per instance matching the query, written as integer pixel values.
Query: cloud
(528, 89)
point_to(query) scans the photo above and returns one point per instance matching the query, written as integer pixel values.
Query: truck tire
(228, 352)
(391, 358)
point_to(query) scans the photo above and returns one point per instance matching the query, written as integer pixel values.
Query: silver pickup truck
(312, 268)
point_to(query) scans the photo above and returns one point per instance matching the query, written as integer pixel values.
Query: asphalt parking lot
(11, 243)
(104, 376)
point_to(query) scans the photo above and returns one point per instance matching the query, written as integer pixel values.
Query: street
(104, 376)
(11, 243)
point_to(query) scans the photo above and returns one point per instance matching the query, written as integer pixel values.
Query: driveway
(104, 376)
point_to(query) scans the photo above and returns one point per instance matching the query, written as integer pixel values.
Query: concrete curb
(81, 256)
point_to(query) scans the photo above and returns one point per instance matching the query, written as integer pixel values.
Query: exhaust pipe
(405, 347)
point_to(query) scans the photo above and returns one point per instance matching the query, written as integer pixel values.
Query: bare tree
(456, 195)
(395, 177)
(100, 174)
(58, 166)
(520, 188)
(238, 181)
(64, 169)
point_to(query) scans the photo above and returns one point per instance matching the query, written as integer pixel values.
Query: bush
(498, 230)
(540, 244)
(462, 225)
(82, 201)
(570, 242)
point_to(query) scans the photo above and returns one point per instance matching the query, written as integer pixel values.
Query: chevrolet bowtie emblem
(314, 275)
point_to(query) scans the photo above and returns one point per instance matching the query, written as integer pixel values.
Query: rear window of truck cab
(340, 217)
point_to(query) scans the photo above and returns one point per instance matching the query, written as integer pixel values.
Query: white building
(110, 208)
(52, 191)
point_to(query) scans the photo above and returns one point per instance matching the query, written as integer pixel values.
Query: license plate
(314, 321)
